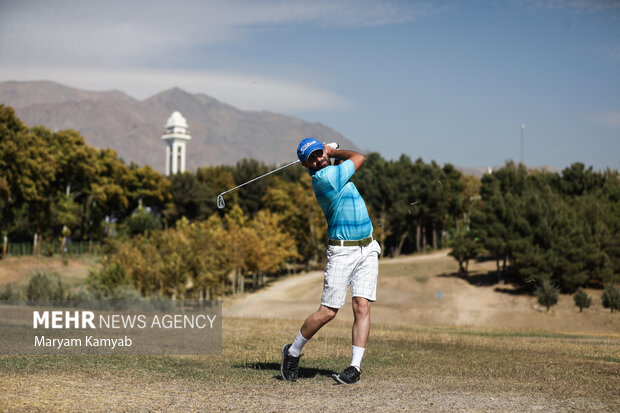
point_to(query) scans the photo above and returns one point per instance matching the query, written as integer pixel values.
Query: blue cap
(306, 147)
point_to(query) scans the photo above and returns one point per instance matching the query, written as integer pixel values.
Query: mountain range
(221, 134)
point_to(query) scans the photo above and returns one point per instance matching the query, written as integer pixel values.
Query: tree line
(540, 226)
(53, 182)
(166, 236)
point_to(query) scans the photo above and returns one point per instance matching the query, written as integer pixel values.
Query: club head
(220, 201)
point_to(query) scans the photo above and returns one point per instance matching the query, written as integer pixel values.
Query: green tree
(241, 241)
(215, 180)
(142, 221)
(567, 236)
(545, 225)
(66, 212)
(465, 248)
(250, 198)
(611, 297)
(26, 176)
(491, 221)
(412, 204)
(577, 180)
(471, 195)
(75, 170)
(107, 195)
(582, 299)
(147, 187)
(275, 246)
(210, 262)
(190, 196)
(109, 189)
(378, 183)
(553, 242)
(454, 196)
(547, 294)
(609, 202)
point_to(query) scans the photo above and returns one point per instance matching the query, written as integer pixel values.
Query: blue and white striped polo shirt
(343, 206)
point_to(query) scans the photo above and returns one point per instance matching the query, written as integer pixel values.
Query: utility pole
(522, 128)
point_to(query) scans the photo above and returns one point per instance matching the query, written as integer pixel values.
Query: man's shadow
(304, 372)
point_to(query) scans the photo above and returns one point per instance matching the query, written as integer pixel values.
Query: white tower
(176, 137)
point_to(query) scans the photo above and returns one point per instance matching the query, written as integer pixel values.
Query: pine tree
(547, 294)
(582, 299)
(464, 248)
(611, 298)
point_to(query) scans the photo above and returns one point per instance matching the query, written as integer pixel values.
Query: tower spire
(176, 138)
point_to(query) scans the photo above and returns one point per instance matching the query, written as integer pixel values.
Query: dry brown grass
(18, 270)
(406, 368)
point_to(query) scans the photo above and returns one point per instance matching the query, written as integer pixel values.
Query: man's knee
(361, 306)
(327, 313)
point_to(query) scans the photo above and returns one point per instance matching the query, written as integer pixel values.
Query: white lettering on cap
(303, 148)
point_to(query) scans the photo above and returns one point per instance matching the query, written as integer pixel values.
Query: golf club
(220, 199)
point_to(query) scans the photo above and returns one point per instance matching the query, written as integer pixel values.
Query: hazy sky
(450, 81)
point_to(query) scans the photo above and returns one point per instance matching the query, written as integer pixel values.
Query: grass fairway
(406, 369)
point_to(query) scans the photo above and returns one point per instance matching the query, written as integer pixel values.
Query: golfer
(352, 254)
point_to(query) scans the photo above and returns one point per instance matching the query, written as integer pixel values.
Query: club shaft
(259, 177)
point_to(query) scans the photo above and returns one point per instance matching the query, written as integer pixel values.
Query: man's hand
(330, 151)
(357, 158)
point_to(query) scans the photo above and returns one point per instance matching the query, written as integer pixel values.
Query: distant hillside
(221, 134)
(480, 171)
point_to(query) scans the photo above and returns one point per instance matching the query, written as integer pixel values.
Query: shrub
(111, 283)
(9, 293)
(141, 222)
(611, 298)
(547, 294)
(582, 299)
(112, 275)
(44, 287)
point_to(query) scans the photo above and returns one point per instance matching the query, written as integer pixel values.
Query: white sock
(356, 360)
(299, 343)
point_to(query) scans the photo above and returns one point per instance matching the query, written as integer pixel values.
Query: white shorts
(357, 266)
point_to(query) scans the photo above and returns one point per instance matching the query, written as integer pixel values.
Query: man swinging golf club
(352, 254)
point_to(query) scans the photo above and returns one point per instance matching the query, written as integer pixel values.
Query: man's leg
(361, 323)
(313, 323)
(363, 291)
(361, 330)
(292, 352)
(316, 320)
(338, 270)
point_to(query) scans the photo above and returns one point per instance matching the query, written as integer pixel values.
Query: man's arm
(357, 158)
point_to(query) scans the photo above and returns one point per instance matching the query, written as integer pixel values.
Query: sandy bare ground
(411, 292)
